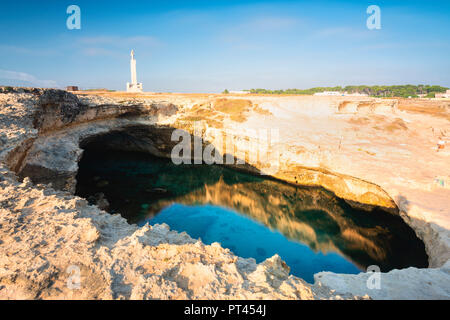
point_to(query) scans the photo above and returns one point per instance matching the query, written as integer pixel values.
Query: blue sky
(207, 46)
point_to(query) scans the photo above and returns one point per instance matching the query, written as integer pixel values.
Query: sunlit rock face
(53, 156)
(44, 228)
(141, 187)
(64, 122)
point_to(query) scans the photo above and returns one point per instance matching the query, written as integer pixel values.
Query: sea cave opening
(128, 172)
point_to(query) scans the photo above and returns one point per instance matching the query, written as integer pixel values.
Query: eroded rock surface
(46, 233)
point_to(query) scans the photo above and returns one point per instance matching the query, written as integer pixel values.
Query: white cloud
(271, 23)
(403, 45)
(247, 34)
(94, 52)
(117, 41)
(343, 32)
(5, 48)
(114, 46)
(26, 77)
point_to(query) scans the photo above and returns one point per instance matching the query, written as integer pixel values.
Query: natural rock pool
(254, 216)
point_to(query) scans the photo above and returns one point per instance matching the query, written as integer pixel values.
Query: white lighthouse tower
(134, 86)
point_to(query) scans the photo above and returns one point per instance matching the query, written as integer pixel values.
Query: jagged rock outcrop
(116, 260)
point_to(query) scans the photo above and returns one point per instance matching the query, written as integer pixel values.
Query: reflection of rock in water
(315, 217)
(312, 216)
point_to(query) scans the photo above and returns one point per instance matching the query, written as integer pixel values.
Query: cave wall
(66, 126)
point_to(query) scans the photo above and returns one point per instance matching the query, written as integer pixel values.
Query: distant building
(239, 92)
(355, 94)
(338, 93)
(72, 88)
(443, 95)
(329, 93)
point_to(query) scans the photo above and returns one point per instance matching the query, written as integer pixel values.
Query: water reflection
(310, 228)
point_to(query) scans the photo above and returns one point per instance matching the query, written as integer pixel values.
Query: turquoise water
(250, 239)
(255, 217)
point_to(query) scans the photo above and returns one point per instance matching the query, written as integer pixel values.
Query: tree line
(405, 91)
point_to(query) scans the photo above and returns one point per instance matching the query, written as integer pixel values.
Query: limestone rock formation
(48, 236)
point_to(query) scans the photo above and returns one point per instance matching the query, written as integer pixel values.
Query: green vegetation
(374, 91)
(225, 91)
(297, 91)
